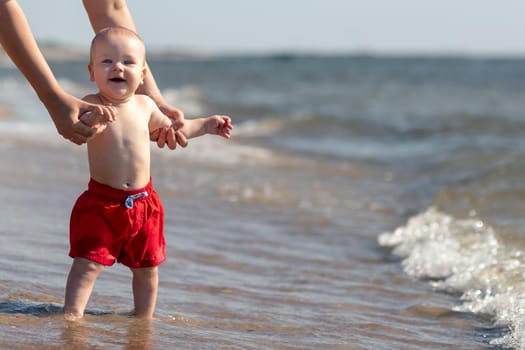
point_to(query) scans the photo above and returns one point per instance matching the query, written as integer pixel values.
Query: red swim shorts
(109, 224)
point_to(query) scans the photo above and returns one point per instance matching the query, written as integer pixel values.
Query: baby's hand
(95, 120)
(219, 125)
(91, 118)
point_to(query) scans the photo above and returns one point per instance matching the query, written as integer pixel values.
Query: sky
(472, 27)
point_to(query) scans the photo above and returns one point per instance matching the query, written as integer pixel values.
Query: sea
(363, 202)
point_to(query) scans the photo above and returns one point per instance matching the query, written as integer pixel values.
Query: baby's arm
(158, 120)
(215, 125)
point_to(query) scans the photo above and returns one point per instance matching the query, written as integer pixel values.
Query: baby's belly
(121, 173)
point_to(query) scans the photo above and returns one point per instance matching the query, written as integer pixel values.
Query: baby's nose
(118, 66)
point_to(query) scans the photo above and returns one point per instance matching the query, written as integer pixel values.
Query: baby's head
(117, 62)
(107, 36)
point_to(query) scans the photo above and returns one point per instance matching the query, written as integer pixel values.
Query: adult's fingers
(154, 135)
(181, 138)
(82, 132)
(161, 141)
(77, 139)
(171, 139)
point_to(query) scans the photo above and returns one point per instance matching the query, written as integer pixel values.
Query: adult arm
(19, 43)
(112, 13)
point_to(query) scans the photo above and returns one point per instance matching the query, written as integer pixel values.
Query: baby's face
(117, 66)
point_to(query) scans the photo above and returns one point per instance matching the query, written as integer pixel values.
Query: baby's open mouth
(117, 80)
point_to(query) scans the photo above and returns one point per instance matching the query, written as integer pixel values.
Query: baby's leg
(80, 282)
(145, 284)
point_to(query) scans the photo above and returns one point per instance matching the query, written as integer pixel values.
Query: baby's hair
(107, 30)
(118, 30)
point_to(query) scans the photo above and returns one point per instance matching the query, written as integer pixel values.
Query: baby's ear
(144, 72)
(91, 74)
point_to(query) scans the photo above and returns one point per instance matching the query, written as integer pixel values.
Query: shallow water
(254, 262)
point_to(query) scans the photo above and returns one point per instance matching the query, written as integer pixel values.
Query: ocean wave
(205, 150)
(188, 98)
(468, 257)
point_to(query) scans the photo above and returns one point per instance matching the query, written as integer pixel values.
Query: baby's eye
(107, 60)
(128, 62)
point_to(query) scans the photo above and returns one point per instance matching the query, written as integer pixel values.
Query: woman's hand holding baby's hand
(96, 121)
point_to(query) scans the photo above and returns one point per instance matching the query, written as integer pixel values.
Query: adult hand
(170, 136)
(65, 110)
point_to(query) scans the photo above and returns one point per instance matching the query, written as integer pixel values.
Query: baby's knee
(145, 271)
(85, 267)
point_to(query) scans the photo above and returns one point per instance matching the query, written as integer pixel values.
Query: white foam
(466, 256)
(215, 150)
(188, 98)
(264, 127)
